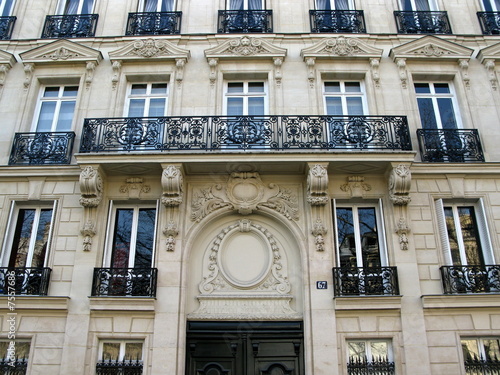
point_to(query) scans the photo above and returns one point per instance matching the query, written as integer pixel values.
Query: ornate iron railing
(13, 367)
(471, 279)
(6, 27)
(116, 367)
(42, 148)
(281, 133)
(245, 21)
(154, 23)
(357, 281)
(490, 22)
(24, 280)
(480, 366)
(70, 26)
(450, 145)
(138, 282)
(337, 21)
(379, 366)
(422, 22)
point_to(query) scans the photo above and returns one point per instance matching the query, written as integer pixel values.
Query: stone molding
(7, 61)
(157, 49)
(488, 57)
(91, 187)
(400, 184)
(172, 184)
(134, 186)
(431, 48)
(245, 47)
(317, 184)
(356, 186)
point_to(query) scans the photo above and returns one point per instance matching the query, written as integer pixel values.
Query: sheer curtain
(341, 4)
(150, 5)
(422, 5)
(167, 5)
(323, 5)
(71, 7)
(88, 6)
(236, 5)
(7, 7)
(254, 4)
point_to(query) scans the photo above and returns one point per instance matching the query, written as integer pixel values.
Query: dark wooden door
(245, 348)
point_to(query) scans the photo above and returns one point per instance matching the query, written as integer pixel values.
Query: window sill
(34, 303)
(454, 301)
(122, 303)
(368, 303)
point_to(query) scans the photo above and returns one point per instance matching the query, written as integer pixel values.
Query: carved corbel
(4, 69)
(402, 231)
(311, 73)
(375, 64)
(319, 232)
(355, 186)
(179, 75)
(116, 66)
(171, 232)
(489, 64)
(134, 186)
(464, 69)
(172, 184)
(90, 68)
(213, 63)
(88, 233)
(91, 187)
(317, 185)
(399, 185)
(28, 73)
(403, 76)
(278, 61)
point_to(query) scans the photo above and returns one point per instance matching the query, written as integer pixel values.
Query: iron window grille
(422, 22)
(70, 26)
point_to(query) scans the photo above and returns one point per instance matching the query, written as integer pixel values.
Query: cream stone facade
(260, 160)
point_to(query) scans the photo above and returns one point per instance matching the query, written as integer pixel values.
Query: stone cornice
(136, 304)
(60, 52)
(467, 301)
(367, 303)
(36, 303)
(430, 48)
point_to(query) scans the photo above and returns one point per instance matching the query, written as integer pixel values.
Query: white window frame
(484, 234)
(12, 226)
(245, 5)
(384, 260)
(432, 5)
(113, 207)
(493, 4)
(142, 6)
(7, 12)
(350, 5)
(147, 97)
(58, 100)
(122, 348)
(368, 354)
(246, 95)
(343, 95)
(479, 344)
(434, 96)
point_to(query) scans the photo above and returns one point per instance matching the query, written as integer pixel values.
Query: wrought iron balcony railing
(6, 26)
(422, 22)
(245, 21)
(450, 145)
(42, 148)
(116, 367)
(378, 366)
(358, 281)
(154, 23)
(337, 21)
(16, 367)
(490, 22)
(70, 26)
(137, 282)
(480, 366)
(254, 133)
(471, 279)
(24, 280)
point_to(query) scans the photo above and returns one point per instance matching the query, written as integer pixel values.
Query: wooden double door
(245, 348)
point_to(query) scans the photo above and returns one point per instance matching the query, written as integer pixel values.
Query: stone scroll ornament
(399, 185)
(317, 185)
(91, 187)
(172, 184)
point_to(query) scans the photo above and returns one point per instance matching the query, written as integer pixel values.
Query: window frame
(492, 4)
(122, 343)
(381, 233)
(12, 228)
(433, 6)
(110, 231)
(3, 5)
(343, 95)
(479, 345)
(368, 354)
(61, 7)
(141, 6)
(147, 97)
(246, 95)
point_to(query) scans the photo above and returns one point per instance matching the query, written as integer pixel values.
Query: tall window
(370, 356)
(491, 5)
(131, 243)
(436, 105)
(481, 355)
(29, 237)
(120, 357)
(6, 7)
(334, 4)
(75, 7)
(360, 236)
(156, 5)
(344, 98)
(56, 108)
(246, 98)
(418, 5)
(245, 4)
(147, 100)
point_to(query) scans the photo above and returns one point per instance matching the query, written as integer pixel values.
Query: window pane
(447, 113)
(256, 87)
(352, 87)
(157, 107)
(254, 4)
(470, 349)
(46, 117)
(51, 92)
(159, 88)
(22, 236)
(7, 7)
(334, 106)
(452, 236)
(22, 350)
(122, 237)
(139, 89)
(145, 238)
(42, 238)
(136, 107)
(332, 86)
(470, 236)
(234, 87)
(422, 88)
(369, 237)
(427, 114)
(70, 91)
(234, 106)
(379, 350)
(347, 245)
(87, 6)
(354, 106)
(442, 88)
(71, 7)
(133, 351)
(256, 106)
(65, 116)
(491, 348)
(111, 351)
(357, 350)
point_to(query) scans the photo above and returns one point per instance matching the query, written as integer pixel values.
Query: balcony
(42, 148)
(480, 366)
(13, 367)
(24, 281)
(490, 22)
(116, 367)
(154, 23)
(6, 26)
(450, 145)
(365, 281)
(422, 22)
(337, 21)
(470, 279)
(245, 21)
(379, 366)
(245, 133)
(70, 26)
(134, 282)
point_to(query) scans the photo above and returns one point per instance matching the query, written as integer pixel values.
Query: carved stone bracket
(356, 186)
(28, 73)
(278, 61)
(317, 185)
(90, 68)
(402, 231)
(88, 233)
(311, 71)
(116, 66)
(489, 64)
(134, 186)
(179, 64)
(171, 232)
(4, 69)
(403, 75)
(375, 64)
(172, 184)
(319, 231)
(245, 193)
(91, 187)
(213, 64)
(464, 69)
(399, 185)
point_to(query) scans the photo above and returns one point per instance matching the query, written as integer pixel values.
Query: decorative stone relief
(245, 193)
(90, 67)
(171, 232)
(244, 47)
(355, 186)
(319, 232)
(375, 64)
(399, 185)
(4, 69)
(60, 51)
(341, 47)
(61, 54)
(158, 49)
(489, 64)
(116, 66)
(403, 76)
(172, 184)
(91, 187)
(7, 61)
(245, 276)
(134, 186)
(402, 231)
(88, 233)
(311, 73)
(212, 63)
(278, 61)
(179, 64)
(431, 47)
(28, 73)
(464, 69)
(317, 185)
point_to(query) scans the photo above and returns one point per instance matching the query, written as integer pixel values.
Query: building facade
(249, 187)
